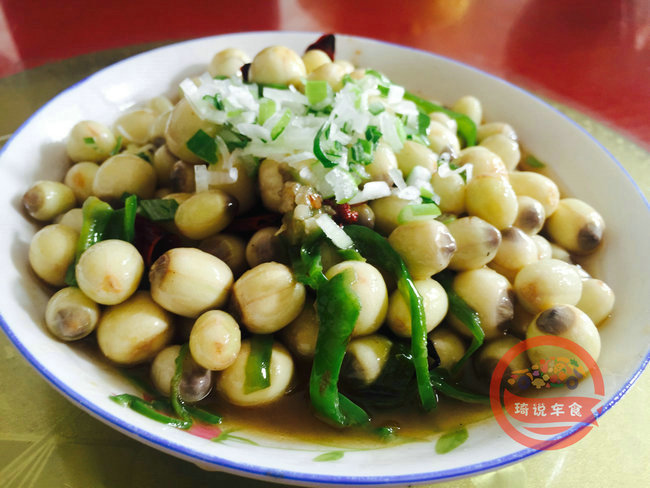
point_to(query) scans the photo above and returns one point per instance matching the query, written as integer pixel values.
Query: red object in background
(47, 30)
(593, 55)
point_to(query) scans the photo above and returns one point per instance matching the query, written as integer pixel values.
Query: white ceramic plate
(584, 168)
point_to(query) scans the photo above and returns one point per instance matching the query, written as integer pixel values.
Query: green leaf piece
(329, 456)
(451, 440)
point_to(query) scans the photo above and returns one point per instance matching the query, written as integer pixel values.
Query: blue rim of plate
(279, 474)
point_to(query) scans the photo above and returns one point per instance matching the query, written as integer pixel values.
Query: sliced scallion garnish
(317, 91)
(267, 109)
(258, 364)
(533, 162)
(203, 146)
(279, 127)
(422, 211)
(158, 210)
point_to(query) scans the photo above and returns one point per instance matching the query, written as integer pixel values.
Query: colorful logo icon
(539, 420)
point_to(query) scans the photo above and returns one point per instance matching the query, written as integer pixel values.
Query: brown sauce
(291, 417)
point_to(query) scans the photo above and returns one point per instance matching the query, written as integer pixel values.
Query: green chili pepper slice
(379, 252)
(258, 364)
(307, 264)
(442, 382)
(338, 309)
(203, 416)
(175, 389)
(96, 217)
(318, 149)
(145, 408)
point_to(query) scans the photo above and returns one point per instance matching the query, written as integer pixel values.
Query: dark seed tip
(590, 236)
(555, 320)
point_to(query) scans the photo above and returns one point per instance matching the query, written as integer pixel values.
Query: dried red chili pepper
(244, 72)
(152, 241)
(345, 214)
(325, 43)
(254, 223)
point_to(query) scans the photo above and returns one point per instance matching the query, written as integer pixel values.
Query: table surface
(590, 57)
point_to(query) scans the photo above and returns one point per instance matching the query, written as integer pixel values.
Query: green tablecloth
(47, 442)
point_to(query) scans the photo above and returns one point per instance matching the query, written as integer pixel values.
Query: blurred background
(593, 55)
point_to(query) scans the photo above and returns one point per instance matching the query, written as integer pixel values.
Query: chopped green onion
(89, 140)
(145, 156)
(375, 108)
(258, 364)
(427, 195)
(361, 152)
(423, 211)
(423, 123)
(158, 209)
(277, 86)
(96, 217)
(203, 146)
(318, 149)
(216, 100)
(466, 126)
(399, 128)
(267, 109)
(232, 138)
(533, 162)
(316, 91)
(281, 125)
(377, 74)
(451, 440)
(462, 173)
(373, 134)
(117, 147)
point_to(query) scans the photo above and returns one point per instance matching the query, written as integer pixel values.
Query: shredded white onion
(254, 131)
(371, 191)
(331, 229)
(201, 178)
(395, 94)
(397, 177)
(417, 175)
(299, 157)
(223, 150)
(223, 177)
(342, 183)
(409, 193)
(347, 121)
(444, 170)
